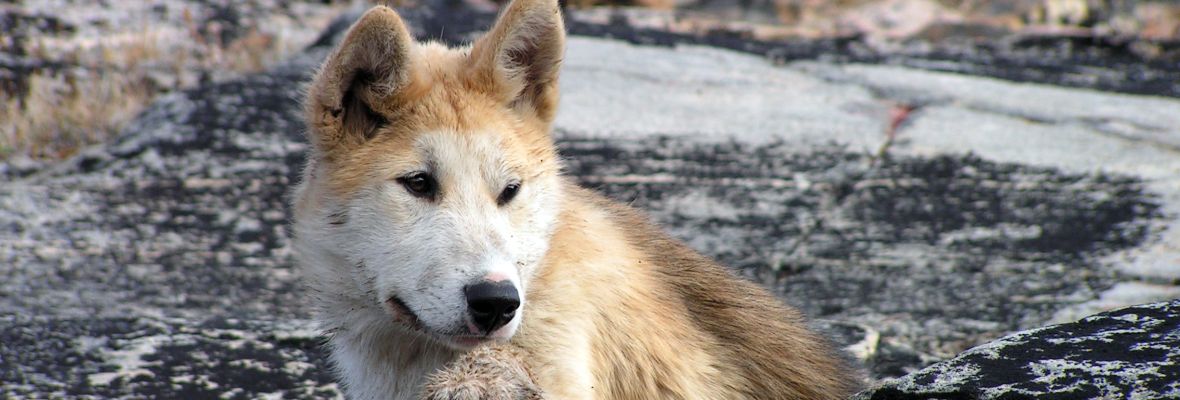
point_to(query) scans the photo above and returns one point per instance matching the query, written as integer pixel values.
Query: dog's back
(659, 320)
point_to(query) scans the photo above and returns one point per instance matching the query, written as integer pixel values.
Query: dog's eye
(420, 184)
(508, 193)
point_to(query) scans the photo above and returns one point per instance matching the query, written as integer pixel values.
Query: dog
(449, 258)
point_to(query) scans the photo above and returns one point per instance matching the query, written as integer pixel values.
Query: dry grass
(60, 114)
(98, 82)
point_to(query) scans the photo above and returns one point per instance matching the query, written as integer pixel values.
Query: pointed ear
(356, 88)
(519, 58)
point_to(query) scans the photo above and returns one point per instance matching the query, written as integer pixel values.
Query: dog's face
(434, 179)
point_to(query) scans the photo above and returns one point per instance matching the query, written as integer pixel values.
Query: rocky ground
(1129, 353)
(912, 213)
(1128, 46)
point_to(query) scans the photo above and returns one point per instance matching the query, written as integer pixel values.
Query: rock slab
(1132, 353)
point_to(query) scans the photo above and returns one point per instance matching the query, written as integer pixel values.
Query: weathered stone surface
(907, 248)
(1132, 353)
(155, 358)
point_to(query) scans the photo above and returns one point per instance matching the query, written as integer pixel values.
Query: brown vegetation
(81, 74)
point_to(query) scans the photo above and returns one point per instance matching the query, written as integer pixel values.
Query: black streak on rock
(1129, 353)
(175, 361)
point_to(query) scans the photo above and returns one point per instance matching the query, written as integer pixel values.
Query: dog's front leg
(492, 372)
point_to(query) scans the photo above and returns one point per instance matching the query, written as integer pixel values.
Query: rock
(980, 45)
(160, 358)
(1132, 353)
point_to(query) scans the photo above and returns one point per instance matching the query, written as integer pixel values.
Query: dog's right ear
(356, 89)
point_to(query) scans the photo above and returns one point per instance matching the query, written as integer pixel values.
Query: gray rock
(159, 358)
(1132, 353)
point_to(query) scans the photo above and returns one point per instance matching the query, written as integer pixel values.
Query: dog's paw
(493, 372)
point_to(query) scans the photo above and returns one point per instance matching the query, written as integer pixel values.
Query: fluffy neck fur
(378, 360)
(375, 357)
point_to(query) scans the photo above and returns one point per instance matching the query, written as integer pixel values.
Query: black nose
(491, 304)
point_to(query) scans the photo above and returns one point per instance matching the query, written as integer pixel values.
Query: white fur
(423, 252)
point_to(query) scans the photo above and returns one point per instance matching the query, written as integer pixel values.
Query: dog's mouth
(403, 314)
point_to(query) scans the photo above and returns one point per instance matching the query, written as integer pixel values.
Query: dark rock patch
(1129, 353)
(148, 358)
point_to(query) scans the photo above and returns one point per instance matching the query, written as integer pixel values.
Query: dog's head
(433, 177)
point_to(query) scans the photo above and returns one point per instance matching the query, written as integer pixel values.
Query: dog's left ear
(519, 58)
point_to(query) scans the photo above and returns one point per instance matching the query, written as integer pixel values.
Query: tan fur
(616, 309)
(417, 88)
(662, 321)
